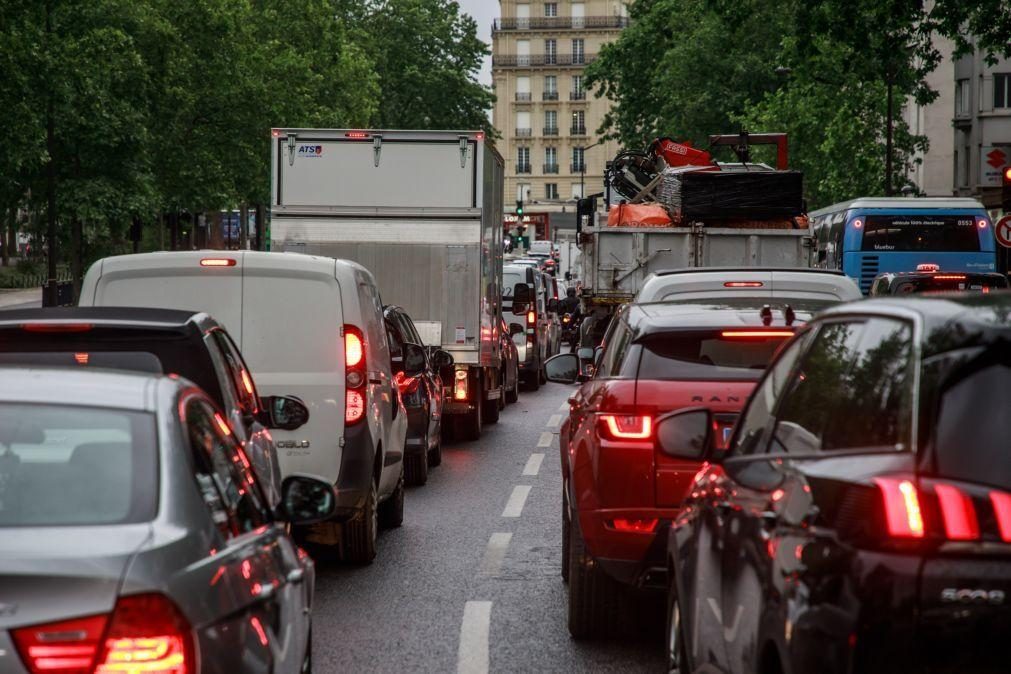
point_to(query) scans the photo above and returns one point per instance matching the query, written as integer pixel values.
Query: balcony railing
(550, 96)
(522, 168)
(551, 131)
(536, 60)
(577, 131)
(577, 95)
(577, 168)
(560, 23)
(523, 96)
(524, 133)
(551, 168)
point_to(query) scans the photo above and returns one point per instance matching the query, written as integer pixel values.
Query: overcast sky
(484, 12)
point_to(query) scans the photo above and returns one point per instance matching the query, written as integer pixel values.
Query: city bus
(869, 236)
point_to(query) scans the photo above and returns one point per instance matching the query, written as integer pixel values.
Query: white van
(311, 327)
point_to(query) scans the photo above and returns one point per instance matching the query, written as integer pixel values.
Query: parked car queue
(787, 465)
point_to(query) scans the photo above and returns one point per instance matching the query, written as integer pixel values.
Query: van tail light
(625, 427)
(531, 318)
(756, 334)
(958, 513)
(217, 262)
(902, 507)
(460, 390)
(635, 526)
(355, 374)
(144, 633)
(743, 284)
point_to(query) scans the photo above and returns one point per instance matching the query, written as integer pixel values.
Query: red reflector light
(960, 523)
(56, 327)
(743, 284)
(902, 507)
(627, 427)
(354, 350)
(354, 406)
(635, 526)
(756, 334)
(1002, 509)
(81, 358)
(950, 277)
(358, 135)
(217, 262)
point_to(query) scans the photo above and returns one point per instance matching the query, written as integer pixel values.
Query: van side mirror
(414, 359)
(686, 434)
(521, 298)
(562, 369)
(284, 413)
(515, 329)
(441, 359)
(306, 500)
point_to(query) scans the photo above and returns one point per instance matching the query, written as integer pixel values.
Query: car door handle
(296, 576)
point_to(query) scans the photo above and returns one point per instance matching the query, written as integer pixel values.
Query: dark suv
(860, 519)
(188, 344)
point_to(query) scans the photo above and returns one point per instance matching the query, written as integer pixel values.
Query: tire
(677, 648)
(307, 659)
(489, 411)
(416, 469)
(467, 427)
(532, 381)
(391, 511)
(361, 532)
(566, 542)
(594, 599)
(513, 394)
(435, 453)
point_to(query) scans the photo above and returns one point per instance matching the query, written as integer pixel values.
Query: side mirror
(553, 306)
(521, 298)
(441, 359)
(562, 369)
(414, 359)
(515, 329)
(686, 434)
(306, 500)
(285, 413)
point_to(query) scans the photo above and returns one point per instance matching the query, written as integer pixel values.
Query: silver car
(135, 536)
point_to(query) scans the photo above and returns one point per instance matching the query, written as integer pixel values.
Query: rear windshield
(706, 355)
(63, 466)
(920, 232)
(974, 426)
(137, 350)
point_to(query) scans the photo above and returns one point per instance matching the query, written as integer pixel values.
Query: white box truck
(422, 210)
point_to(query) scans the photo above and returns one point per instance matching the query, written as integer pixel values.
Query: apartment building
(547, 119)
(933, 171)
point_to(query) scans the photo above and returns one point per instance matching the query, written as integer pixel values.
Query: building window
(551, 191)
(550, 87)
(1001, 90)
(578, 15)
(578, 123)
(577, 191)
(961, 98)
(551, 160)
(550, 9)
(550, 52)
(578, 165)
(551, 123)
(523, 160)
(578, 51)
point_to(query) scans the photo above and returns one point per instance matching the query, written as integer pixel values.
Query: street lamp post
(582, 169)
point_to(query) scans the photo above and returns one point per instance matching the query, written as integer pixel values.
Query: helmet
(570, 292)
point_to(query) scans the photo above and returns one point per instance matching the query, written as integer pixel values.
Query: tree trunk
(161, 230)
(260, 228)
(77, 259)
(243, 226)
(4, 241)
(174, 230)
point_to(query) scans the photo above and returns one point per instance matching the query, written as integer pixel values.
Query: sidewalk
(20, 299)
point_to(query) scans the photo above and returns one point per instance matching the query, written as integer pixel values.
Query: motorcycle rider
(570, 304)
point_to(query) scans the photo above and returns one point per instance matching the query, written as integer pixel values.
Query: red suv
(619, 492)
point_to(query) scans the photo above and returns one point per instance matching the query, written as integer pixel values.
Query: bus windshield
(920, 232)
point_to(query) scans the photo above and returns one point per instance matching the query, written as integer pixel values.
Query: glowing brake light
(756, 334)
(217, 262)
(627, 427)
(902, 507)
(354, 374)
(960, 523)
(276, 133)
(354, 350)
(531, 317)
(460, 385)
(858, 223)
(358, 135)
(981, 223)
(950, 277)
(82, 358)
(743, 284)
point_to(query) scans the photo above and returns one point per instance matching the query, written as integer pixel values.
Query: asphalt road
(471, 581)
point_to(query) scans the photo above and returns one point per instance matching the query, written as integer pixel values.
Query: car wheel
(468, 426)
(513, 394)
(391, 511)
(533, 380)
(677, 648)
(594, 597)
(361, 531)
(307, 660)
(435, 453)
(566, 543)
(416, 469)
(490, 411)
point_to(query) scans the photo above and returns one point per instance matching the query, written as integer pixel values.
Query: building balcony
(577, 168)
(524, 133)
(560, 23)
(577, 95)
(522, 168)
(550, 96)
(550, 168)
(541, 60)
(577, 131)
(551, 131)
(523, 96)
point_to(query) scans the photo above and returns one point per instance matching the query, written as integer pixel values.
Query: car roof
(899, 202)
(645, 319)
(93, 387)
(135, 317)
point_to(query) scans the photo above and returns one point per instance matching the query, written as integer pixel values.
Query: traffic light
(519, 208)
(1005, 196)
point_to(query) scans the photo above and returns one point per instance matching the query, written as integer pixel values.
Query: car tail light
(460, 385)
(531, 318)
(217, 262)
(981, 223)
(355, 374)
(902, 507)
(56, 327)
(858, 223)
(743, 284)
(958, 513)
(145, 633)
(82, 358)
(1001, 503)
(950, 277)
(756, 334)
(646, 526)
(626, 427)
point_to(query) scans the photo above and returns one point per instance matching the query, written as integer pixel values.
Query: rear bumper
(631, 558)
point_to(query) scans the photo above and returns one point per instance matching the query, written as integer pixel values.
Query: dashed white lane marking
(472, 658)
(514, 506)
(554, 420)
(545, 440)
(533, 464)
(495, 554)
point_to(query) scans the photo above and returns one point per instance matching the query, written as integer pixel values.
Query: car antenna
(766, 315)
(789, 314)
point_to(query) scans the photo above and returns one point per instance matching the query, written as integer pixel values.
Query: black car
(422, 395)
(163, 341)
(860, 519)
(929, 278)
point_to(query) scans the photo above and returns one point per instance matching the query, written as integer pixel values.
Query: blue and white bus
(869, 236)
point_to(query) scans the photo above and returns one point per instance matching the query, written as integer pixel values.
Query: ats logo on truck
(310, 151)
